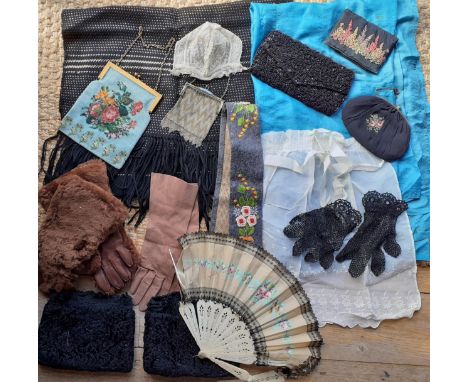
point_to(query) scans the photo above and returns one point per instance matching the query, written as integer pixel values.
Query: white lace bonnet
(207, 52)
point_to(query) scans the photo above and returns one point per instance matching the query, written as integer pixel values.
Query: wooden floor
(398, 350)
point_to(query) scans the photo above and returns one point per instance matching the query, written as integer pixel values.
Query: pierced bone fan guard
(242, 305)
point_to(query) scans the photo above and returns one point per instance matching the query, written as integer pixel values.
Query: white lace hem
(395, 298)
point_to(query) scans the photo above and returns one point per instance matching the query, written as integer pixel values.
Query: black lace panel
(376, 232)
(321, 232)
(170, 349)
(87, 331)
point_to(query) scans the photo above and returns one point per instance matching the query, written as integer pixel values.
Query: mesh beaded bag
(93, 36)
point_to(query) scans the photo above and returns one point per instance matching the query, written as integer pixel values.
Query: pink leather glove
(173, 211)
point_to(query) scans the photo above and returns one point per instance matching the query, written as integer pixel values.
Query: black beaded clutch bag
(302, 73)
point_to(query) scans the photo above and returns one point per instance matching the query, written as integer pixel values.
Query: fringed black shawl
(94, 36)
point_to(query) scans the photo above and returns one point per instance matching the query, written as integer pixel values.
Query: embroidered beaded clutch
(360, 41)
(241, 305)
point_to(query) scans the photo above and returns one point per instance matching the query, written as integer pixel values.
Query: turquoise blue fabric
(109, 117)
(310, 24)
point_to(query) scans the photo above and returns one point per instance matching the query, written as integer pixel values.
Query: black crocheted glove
(322, 231)
(377, 230)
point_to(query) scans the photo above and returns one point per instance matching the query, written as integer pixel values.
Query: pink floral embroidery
(137, 107)
(109, 111)
(252, 220)
(245, 210)
(110, 114)
(360, 43)
(374, 123)
(241, 221)
(94, 109)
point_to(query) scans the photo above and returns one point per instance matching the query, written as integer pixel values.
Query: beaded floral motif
(120, 157)
(360, 43)
(74, 130)
(97, 143)
(86, 137)
(374, 123)
(110, 111)
(246, 116)
(108, 150)
(245, 209)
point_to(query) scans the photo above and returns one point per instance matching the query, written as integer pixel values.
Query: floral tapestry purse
(112, 113)
(360, 41)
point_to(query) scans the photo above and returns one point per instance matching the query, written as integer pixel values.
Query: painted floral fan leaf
(241, 305)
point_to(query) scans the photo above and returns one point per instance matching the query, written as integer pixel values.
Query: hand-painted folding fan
(242, 305)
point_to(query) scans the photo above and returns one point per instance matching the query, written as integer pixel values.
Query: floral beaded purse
(112, 113)
(360, 41)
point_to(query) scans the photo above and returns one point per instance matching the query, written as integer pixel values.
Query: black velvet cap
(378, 126)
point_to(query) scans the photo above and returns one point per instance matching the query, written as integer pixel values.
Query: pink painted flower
(94, 109)
(263, 292)
(252, 220)
(284, 324)
(241, 222)
(137, 107)
(110, 114)
(133, 124)
(245, 210)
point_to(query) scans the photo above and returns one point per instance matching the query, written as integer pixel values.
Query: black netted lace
(87, 331)
(322, 231)
(302, 73)
(376, 232)
(170, 349)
